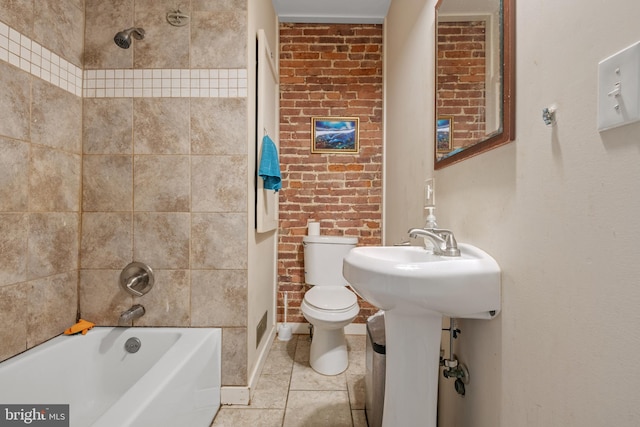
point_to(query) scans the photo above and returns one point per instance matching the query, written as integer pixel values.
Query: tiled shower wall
(40, 168)
(151, 166)
(165, 169)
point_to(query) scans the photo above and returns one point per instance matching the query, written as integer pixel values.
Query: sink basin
(467, 286)
(416, 289)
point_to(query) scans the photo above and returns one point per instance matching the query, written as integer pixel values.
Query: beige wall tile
(14, 231)
(102, 300)
(226, 290)
(104, 20)
(14, 175)
(219, 183)
(40, 174)
(107, 240)
(55, 117)
(168, 302)
(14, 102)
(18, 14)
(219, 39)
(59, 25)
(221, 5)
(219, 241)
(63, 126)
(234, 356)
(13, 320)
(107, 125)
(161, 183)
(107, 183)
(164, 45)
(52, 308)
(218, 126)
(162, 239)
(161, 125)
(53, 243)
(54, 181)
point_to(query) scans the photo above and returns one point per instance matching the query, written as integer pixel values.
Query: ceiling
(332, 11)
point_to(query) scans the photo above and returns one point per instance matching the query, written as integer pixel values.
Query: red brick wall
(461, 79)
(329, 71)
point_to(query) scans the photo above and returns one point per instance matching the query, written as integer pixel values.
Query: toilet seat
(335, 299)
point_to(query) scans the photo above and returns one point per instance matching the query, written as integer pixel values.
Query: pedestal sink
(416, 288)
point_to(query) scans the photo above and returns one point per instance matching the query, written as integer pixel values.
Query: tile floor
(291, 394)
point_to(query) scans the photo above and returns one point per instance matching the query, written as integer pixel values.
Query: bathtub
(173, 380)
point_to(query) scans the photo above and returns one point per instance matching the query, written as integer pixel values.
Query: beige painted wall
(262, 246)
(558, 208)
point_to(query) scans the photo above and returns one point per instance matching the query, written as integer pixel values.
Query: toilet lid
(330, 297)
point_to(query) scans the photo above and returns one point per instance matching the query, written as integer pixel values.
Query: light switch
(619, 88)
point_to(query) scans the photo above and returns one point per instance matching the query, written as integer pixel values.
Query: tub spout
(135, 312)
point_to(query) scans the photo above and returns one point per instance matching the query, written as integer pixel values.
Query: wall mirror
(475, 84)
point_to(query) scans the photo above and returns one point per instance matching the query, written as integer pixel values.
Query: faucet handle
(451, 245)
(137, 279)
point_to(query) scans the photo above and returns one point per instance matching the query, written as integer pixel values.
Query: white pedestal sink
(415, 289)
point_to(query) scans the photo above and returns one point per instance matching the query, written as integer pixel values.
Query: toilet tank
(323, 256)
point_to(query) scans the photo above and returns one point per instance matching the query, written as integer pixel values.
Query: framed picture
(334, 135)
(444, 134)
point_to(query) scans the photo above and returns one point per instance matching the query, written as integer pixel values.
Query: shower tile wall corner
(110, 155)
(40, 164)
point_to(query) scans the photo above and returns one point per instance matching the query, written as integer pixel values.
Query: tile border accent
(166, 83)
(22, 52)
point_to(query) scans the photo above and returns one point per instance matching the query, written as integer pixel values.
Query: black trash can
(376, 369)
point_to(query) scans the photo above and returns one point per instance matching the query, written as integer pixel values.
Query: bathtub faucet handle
(137, 282)
(137, 279)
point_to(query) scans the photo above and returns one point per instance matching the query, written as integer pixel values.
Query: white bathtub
(173, 380)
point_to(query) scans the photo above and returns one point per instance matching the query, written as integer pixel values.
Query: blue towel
(269, 168)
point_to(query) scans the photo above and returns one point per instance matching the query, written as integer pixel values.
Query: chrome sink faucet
(444, 242)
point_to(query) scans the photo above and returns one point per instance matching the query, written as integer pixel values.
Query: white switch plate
(429, 192)
(619, 88)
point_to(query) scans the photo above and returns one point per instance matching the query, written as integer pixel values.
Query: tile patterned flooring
(291, 394)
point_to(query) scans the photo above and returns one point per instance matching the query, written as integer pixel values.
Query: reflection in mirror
(474, 81)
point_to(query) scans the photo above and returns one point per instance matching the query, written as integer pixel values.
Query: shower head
(123, 38)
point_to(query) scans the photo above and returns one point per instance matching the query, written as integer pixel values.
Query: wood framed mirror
(475, 78)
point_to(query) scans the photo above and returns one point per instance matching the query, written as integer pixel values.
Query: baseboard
(241, 395)
(350, 329)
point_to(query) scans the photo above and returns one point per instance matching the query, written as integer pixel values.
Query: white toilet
(329, 305)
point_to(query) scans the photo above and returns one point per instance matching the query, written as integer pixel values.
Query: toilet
(329, 305)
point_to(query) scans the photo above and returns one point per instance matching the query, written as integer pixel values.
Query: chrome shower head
(123, 38)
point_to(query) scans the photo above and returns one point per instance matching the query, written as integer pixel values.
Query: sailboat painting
(335, 135)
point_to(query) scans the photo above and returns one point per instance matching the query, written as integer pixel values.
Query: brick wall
(461, 79)
(327, 70)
